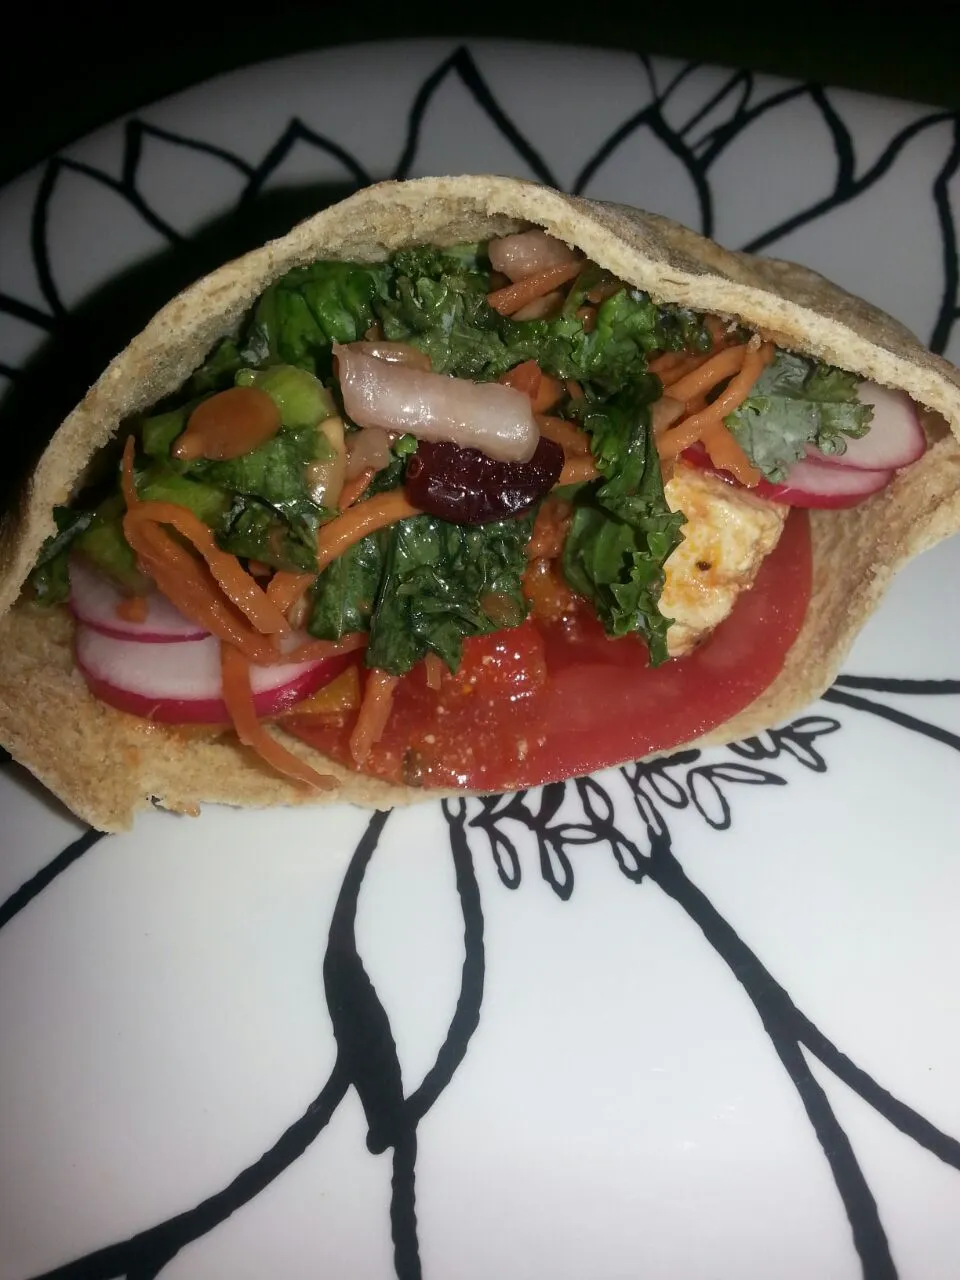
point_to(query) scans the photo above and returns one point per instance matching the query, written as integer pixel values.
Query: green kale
(622, 530)
(49, 578)
(217, 371)
(442, 308)
(283, 539)
(438, 581)
(344, 594)
(796, 402)
(274, 471)
(299, 316)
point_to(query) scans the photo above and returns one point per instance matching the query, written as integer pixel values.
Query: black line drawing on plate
(514, 830)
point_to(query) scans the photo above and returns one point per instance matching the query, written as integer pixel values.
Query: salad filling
(404, 485)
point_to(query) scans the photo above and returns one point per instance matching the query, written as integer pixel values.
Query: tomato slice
(540, 703)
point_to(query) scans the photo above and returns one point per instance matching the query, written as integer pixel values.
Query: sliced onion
(95, 600)
(367, 450)
(528, 253)
(487, 416)
(396, 353)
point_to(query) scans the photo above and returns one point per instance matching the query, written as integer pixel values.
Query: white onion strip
(477, 415)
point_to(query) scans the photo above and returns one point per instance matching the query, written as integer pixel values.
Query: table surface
(95, 66)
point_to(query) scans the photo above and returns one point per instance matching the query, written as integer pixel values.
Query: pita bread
(106, 765)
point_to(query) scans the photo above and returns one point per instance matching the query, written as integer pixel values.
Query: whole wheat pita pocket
(106, 765)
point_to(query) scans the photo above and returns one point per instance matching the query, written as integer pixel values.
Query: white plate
(701, 1021)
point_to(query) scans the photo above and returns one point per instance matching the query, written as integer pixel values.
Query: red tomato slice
(537, 704)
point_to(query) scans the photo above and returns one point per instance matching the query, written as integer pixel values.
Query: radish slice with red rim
(94, 600)
(181, 683)
(895, 438)
(811, 483)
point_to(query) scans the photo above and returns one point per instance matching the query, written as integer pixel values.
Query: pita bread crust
(106, 765)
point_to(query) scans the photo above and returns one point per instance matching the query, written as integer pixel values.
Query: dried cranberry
(466, 486)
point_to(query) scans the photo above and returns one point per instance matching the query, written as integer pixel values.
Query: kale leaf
(50, 578)
(300, 315)
(283, 538)
(796, 402)
(622, 530)
(439, 580)
(344, 594)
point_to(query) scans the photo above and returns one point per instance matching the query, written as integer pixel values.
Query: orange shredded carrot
(574, 389)
(312, 650)
(184, 579)
(238, 697)
(665, 363)
(434, 665)
(566, 434)
(692, 428)
(549, 596)
(238, 585)
(550, 528)
(132, 609)
(355, 523)
(576, 470)
(514, 296)
(588, 318)
(727, 454)
(374, 713)
(711, 371)
(286, 588)
(544, 391)
(354, 489)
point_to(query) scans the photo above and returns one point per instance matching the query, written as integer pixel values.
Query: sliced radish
(812, 483)
(895, 438)
(95, 600)
(180, 683)
(809, 483)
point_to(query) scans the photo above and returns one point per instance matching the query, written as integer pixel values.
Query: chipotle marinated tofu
(434, 497)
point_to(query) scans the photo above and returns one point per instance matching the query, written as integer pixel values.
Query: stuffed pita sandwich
(463, 485)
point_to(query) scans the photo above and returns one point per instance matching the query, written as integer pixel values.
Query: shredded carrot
(717, 330)
(311, 650)
(713, 370)
(574, 390)
(550, 528)
(665, 363)
(346, 529)
(600, 292)
(354, 489)
(726, 454)
(132, 609)
(434, 666)
(680, 437)
(184, 579)
(514, 296)
(549, 596)
(238, 696)
(374, 713)
(544, 391)
(285, 588)
(588, 318)
(576, 470)
(566, 434)
(238, 585)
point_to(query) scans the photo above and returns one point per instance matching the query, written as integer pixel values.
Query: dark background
(64, 73)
